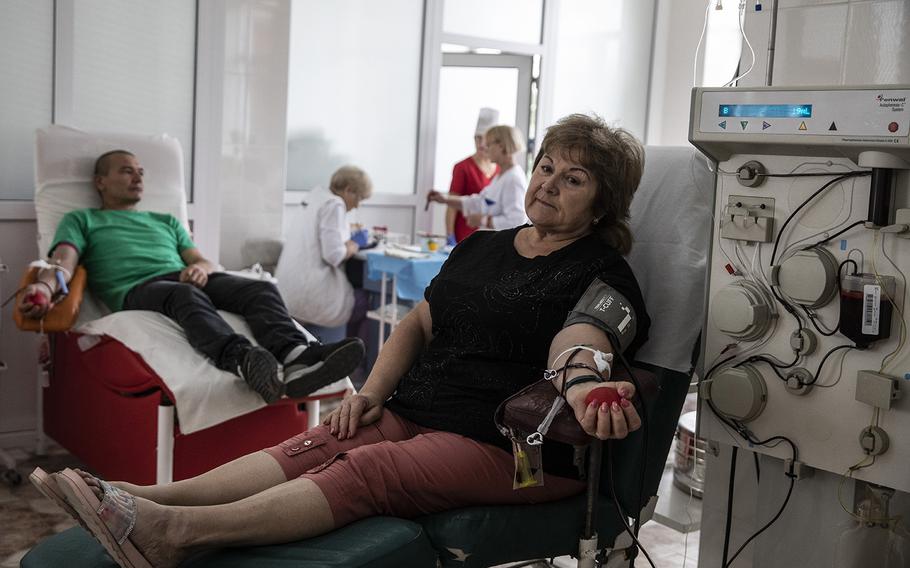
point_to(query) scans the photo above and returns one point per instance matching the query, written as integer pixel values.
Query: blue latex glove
(360, 237)
(450, 240)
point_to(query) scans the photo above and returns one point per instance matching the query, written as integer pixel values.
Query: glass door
(467, 83)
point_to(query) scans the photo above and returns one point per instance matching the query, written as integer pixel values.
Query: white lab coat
(503, 200)
(310, 271)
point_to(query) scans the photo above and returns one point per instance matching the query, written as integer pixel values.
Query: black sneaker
(321, 365)
(259, 369)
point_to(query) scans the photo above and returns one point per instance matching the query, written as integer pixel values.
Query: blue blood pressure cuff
(602, 306)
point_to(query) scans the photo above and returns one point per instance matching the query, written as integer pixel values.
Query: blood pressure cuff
(602, 306)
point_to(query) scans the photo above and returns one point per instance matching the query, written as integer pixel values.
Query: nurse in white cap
(470, 176)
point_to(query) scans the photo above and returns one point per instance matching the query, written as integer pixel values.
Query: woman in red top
(470, 176)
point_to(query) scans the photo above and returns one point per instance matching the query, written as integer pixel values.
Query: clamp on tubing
(602, 360)
(60, 273)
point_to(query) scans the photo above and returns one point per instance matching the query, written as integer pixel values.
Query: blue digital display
(766, 111)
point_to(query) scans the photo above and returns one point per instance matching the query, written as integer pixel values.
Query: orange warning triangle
(802, 125)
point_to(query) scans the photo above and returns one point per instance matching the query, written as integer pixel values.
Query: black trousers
(194, 309)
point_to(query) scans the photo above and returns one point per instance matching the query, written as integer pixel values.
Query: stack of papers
(409, 252)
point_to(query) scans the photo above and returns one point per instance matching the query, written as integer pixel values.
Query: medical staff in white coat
(310, 271)
(501, 204)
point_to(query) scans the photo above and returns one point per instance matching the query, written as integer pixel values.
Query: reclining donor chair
(671, 220)
(115, 381)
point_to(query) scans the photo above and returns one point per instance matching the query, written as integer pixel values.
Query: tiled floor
(26, 517)
(667, 547)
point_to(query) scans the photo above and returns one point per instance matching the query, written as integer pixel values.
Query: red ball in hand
(37, 299)
(602, 395)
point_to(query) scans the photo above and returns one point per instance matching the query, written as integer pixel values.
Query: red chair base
(102, 406)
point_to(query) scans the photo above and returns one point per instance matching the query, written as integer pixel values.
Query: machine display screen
(766, 111)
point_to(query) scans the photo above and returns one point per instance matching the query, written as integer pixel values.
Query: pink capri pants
(395, 467)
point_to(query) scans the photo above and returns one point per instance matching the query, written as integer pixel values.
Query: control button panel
(844, 113)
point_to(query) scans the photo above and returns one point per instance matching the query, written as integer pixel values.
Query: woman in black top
(494, 313)
(419, 437)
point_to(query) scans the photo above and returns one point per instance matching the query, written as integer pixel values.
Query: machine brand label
(896, 104)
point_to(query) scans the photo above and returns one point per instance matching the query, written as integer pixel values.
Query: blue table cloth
(413, 274)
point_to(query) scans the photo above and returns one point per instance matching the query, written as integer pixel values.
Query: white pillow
(64, 162)
(64, 168)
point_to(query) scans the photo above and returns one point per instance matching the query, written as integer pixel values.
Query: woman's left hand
(605, 421)
(356, 410)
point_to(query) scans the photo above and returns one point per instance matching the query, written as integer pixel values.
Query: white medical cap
(487, 118)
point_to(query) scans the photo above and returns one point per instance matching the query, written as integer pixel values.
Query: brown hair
(102, 164)
(615, 159)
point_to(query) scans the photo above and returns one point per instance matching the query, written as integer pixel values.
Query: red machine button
(892, 127)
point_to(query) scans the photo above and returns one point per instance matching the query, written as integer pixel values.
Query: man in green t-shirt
(138, 260)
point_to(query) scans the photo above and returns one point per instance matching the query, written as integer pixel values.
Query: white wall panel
(26, 89)
(354, 91)
(676, 30)
(878, 43)
(504, 20)
(810, 45)
(133, 69)
(601, 50)
(802, 3)
(19, 350)
(253, 124)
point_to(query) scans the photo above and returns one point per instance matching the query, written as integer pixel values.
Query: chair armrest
(262, 251)
(63, 315)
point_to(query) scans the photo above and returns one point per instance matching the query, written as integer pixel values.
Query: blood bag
(865, 308)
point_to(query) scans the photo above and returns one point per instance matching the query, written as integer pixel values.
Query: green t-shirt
(120, 249)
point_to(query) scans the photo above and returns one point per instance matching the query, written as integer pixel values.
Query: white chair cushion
(671, 225)
(64, 163)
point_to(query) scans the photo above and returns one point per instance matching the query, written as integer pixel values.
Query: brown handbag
(63, 315)
(522, 413)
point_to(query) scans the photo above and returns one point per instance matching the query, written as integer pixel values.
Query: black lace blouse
(494, 315)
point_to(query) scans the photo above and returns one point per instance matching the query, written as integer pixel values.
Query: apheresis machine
(806, 356)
